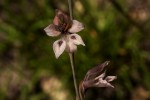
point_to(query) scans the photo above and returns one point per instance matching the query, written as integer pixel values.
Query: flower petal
(71, 47)
(110, 78)
(101, 76)
(95, 71)
(51, 30)
(103, 83)
(76, 27)
(56, 18)
(76, 39)
(59, 47)
(60, 18)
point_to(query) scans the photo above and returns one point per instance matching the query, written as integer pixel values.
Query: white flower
(62, 25)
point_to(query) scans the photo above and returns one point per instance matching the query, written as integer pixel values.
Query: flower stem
(71, 55)
(70, 9)
(80, 91)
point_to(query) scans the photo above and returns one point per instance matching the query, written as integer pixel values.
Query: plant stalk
(70, 9)
(71, 55)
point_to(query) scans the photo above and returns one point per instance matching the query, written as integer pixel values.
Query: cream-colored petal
(59, 47)
(101, 76)
(76, 39)
(103, 83)
(51, 30)
(76, 27)
(110, 78)
(71, 47)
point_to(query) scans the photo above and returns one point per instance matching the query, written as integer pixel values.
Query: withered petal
(60, 18)
(92, 73)
(110, 78)
(101, 76)
(103, 83)
(56, 20)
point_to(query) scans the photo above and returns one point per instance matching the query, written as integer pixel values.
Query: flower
(93, 78)
(63, 25)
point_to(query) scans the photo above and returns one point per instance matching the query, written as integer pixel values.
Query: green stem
(71, 55)
(80, 92)
(70, 9)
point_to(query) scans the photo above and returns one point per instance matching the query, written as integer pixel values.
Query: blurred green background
(115, 30)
